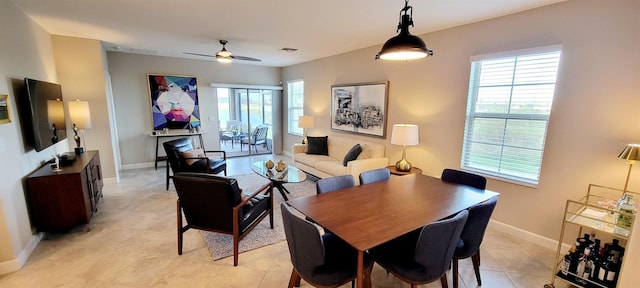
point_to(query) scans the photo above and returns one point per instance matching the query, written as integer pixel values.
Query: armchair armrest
(268, 186)
(224, 153)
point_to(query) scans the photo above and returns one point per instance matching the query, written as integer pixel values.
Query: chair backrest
(233, 125)
(305, 243)
(375, 175)
(207, 200)
(473, 232)
(334, 183)
(259, 135)
(464, 178)
(174, 149)
(436, 244)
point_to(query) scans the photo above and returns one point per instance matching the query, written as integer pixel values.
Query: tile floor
(131, 242)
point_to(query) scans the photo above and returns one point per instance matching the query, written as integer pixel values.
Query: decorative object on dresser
(305, 122)
(81, 119)
(58, 201)
(404, 134)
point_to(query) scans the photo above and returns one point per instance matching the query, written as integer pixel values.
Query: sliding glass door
(252, 109)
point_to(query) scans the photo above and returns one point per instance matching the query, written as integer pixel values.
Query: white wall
(133, 104)
(27, 52)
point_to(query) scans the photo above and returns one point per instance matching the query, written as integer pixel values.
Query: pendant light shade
(404, 46)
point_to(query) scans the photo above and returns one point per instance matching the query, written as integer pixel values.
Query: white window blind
(295, 95)
(507, 114)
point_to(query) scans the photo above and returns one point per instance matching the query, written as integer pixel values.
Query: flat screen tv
(42, 114)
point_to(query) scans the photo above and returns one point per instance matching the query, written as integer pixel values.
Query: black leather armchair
(176, 159)
(214, 203)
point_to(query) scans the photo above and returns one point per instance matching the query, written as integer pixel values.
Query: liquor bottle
(607, 273)
(569, 264)
(594, 260)
(615, 249)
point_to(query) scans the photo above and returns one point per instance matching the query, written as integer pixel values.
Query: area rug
(221, 245)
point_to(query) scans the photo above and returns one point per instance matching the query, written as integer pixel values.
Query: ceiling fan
(224, 55)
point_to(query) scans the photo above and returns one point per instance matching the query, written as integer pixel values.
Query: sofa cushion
(317, 145)
(352, 154)
(310, 159)
(331, 167)
(366, 152)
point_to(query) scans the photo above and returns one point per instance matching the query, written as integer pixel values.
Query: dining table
(366, 216)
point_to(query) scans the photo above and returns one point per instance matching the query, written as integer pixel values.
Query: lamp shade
(631, 152)
(404, 134)
(404, 46)
(80, 114)
(55, 113)
(305, 122)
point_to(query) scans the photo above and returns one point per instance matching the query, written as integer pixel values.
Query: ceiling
(255, 28)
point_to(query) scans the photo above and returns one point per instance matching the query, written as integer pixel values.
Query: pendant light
(404, 46)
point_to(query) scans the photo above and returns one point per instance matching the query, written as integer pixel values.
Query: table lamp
(630, 153)
(404, 134)
(81, 118)
(305, 122)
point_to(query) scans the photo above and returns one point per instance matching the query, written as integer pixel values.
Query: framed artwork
(360, 108)
(174, 101)
(5, 117)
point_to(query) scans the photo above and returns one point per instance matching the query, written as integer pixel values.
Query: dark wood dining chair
(321, 260)
(464, 178)
(424, 255)
(471, 237)
(374, 175)
(213, 203)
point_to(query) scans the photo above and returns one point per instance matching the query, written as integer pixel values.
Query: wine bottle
(594, 260)
(615, 249)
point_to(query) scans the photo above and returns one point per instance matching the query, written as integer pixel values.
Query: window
(295, 91)
(507, 113)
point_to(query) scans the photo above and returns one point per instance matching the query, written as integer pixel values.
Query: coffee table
(290, 175)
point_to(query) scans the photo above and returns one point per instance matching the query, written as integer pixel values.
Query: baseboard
(140, 165)
(17, 263)
(527, 236)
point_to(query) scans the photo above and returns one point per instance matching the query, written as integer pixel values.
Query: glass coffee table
(289, 175)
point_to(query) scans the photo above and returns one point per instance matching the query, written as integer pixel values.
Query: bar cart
(595, 213)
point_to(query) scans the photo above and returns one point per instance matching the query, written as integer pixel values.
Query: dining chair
(213, 203)
(464, 178)
(321, 260)
(374, 175)
(424, 255)
(471, 237)
(330, 184)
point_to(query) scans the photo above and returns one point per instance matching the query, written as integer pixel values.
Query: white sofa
(371, 157)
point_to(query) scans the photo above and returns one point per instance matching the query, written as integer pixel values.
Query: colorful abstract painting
(174, 101)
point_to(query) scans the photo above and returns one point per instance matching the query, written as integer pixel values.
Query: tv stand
(58, 201)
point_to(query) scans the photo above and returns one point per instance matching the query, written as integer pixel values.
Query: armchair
(214, 203)
(182, 157)
(257, 137)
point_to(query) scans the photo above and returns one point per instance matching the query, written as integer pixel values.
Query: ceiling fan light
(223, 59)
(224, 53)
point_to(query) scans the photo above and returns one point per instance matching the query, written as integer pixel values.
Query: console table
(61, 200)
(160, 134)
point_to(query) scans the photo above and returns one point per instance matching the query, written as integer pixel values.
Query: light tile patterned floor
(131, 242)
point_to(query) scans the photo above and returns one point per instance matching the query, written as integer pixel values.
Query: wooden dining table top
(368, 215)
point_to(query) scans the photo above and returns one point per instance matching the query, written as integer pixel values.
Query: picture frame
(174, 101)
(360, 108)
(5, 113)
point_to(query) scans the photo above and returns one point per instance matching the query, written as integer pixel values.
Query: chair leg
(294, 281)
(455, 273)
(179, 223)
(443, 281)
(167, 169)
(476, 266)
(236, 242)
(367, 277)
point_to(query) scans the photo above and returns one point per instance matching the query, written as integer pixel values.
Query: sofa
(371, 157)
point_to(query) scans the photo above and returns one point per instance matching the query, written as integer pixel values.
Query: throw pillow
(195, 153)
(317, 145)
(352, 154)
(366, 152)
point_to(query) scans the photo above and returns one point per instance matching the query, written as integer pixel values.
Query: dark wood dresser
(61, 200)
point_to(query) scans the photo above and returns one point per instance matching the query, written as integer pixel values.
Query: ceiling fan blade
(244, 58)
(198, 54)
